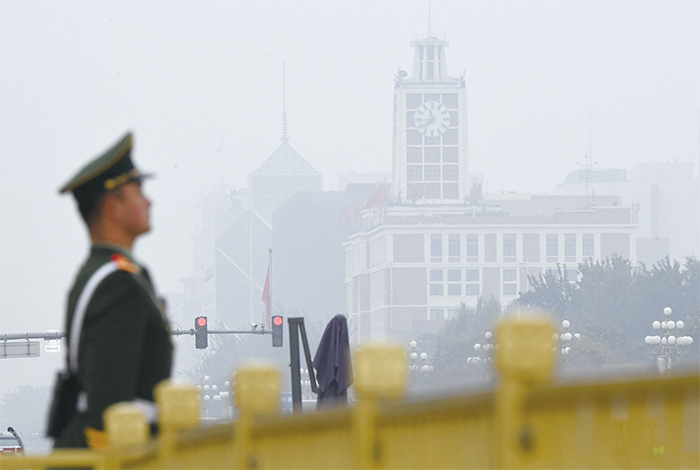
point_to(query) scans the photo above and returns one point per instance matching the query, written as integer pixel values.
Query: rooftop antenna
(430, 32)
(588, 164)
(284, 137)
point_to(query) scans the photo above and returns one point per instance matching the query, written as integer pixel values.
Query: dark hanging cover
(333, 364)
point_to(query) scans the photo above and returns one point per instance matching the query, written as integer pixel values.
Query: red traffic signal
(201, 340)
(277, 331)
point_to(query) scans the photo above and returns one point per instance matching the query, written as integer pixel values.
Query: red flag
(418, 192)
(266, 297)
(378, 197)
(349, 214)
(475, 194)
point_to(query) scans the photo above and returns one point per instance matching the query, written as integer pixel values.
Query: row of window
(570, 245)
(454, 246)
(509, 245)
(414, 137)
(433, 190)
(432, 154)
(414, 100)
(432, 173)
(466, 282)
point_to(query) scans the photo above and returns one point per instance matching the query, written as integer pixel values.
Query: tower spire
(285, 137)
(430, 32)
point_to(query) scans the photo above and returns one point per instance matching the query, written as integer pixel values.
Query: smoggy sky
(200, 84)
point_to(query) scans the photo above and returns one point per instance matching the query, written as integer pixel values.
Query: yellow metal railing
(527, 422)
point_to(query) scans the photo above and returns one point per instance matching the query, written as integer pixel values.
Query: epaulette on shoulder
(125, 264)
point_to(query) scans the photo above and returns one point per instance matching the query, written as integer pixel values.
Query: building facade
(410, 268)
(430, 129)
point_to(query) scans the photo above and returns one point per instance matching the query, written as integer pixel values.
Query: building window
(510, 286)
(471, 289)
(454, 282)
(414, 173)
(432, 190)
(450, 154)
(570, 246)
(414, 155)
(413, 137)
(552, 246)
(454, 119)
(471, 276)
(436, 247)
(472, 246)
(432, 172)
(413, 100)
(450, 137)
(432, 154)
(508, 246)
(450, 100)
(436, 282)
(587, 246)
(450, 191)
(572, 274)
(454, 248)
(450, 173)
(432, 140)
(436, 314)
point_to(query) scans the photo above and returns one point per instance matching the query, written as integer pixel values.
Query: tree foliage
(455, 343)
(613, 304)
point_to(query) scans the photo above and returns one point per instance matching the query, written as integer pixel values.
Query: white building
(666, 196)
(436, 245)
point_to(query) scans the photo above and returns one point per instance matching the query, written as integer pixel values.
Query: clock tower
(430, 129)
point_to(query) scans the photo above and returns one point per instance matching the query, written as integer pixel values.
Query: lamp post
(486, 347)
(667, 345)
(418, 361)
(566, 337)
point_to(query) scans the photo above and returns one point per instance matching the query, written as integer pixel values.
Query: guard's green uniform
(124, 347)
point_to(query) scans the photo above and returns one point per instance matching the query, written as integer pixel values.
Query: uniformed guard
(119, 346)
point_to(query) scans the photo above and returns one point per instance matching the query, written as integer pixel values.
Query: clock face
(432, 118)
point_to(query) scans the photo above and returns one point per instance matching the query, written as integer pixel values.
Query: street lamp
(417, 365)
(566, 337)
(486, 347)
(668, 345)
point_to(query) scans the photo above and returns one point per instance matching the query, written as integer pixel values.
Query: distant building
(410, 267)
(430, 158)
(282, 175)
(439, 242)
(308, 258)
(232, 252)
(666, 197)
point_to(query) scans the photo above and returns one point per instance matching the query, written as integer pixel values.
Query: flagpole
(269, 310)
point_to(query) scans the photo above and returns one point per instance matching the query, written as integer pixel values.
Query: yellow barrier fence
(527, 422)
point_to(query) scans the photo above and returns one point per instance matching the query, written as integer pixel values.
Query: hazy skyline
(200, 84)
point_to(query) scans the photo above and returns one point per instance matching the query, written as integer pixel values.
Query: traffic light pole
(179, 332)
(296, 326)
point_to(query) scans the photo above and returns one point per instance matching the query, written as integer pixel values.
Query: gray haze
(200, 84)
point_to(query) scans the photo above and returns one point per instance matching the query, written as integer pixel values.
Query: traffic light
(200, 333)
(277, 331)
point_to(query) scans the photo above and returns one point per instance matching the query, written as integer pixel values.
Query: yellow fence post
(125, 426)
(178, 409)
(380, 374)
(257, 388)
(524, 357)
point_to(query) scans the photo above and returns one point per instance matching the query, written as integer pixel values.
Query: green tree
(551, 292)
(613, 306)
(455, 344)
